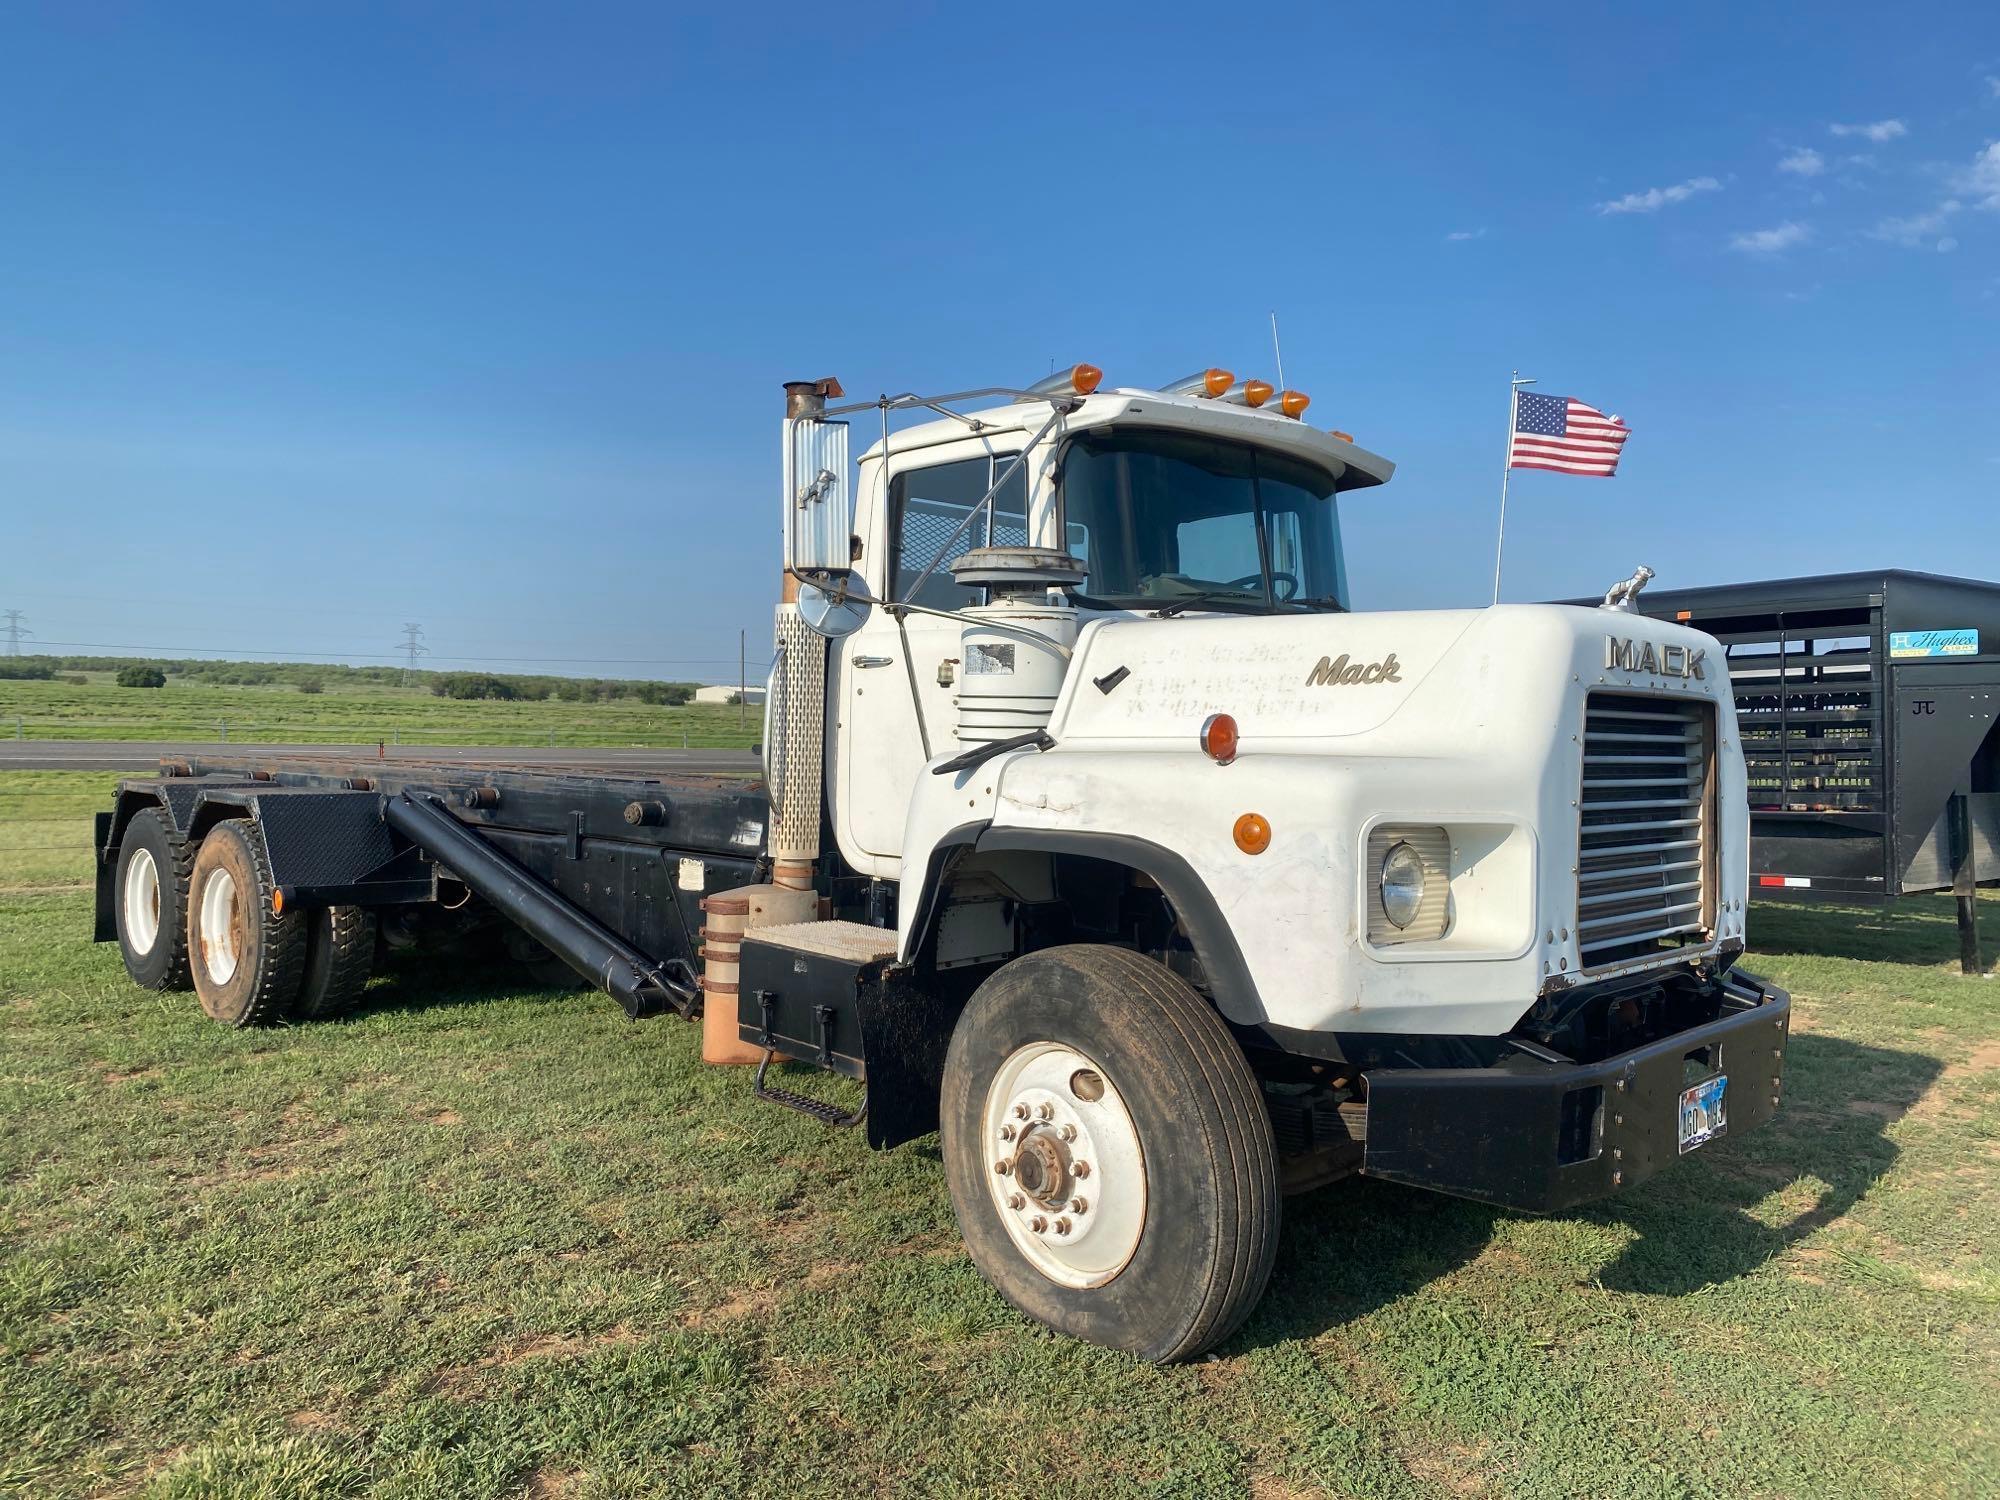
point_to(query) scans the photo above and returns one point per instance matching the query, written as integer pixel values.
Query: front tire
(1094, 1076)
(150, 890)
(246, 957)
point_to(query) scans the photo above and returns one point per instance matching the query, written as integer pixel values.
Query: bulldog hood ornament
(1625, 593)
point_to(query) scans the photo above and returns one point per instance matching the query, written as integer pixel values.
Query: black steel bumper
(1546, 1136)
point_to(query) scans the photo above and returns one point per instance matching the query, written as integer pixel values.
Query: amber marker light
(1294, 403)
(1345, 437)
(1218, 738)
(278, 902)
(1257, 392)
(1683, 614)
(1217, 382)
(1085, 378)
(1253, 833)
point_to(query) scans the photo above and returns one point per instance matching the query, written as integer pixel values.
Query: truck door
(879, 747)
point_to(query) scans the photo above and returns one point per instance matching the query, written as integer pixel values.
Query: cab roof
(1353, 467)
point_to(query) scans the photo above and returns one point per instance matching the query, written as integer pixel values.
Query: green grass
(360, 714)
(483, 1240)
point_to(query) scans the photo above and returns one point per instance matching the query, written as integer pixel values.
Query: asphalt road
(145, 755)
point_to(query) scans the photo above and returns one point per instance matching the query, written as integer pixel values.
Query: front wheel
(1108, 1152)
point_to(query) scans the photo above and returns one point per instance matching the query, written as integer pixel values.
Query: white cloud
(1918, 229)
(1880, 131)
(1771, 241)
(1804, 162)
(1655, 199)
(1993, 86)
(1467, 234)
(1946, 245)
(1981, 181)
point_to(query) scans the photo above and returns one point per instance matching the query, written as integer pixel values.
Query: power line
(413, 644)
(15, 630)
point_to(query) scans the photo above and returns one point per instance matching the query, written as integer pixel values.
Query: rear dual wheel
(253, 962)
(149, 893)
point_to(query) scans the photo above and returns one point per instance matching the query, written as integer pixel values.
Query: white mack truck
(1097, 834)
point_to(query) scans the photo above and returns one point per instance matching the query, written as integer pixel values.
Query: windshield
(1159, 516)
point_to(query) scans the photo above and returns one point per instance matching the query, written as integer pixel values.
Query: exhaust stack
(797, 754)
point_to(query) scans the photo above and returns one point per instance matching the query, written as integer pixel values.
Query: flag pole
(1514, 385)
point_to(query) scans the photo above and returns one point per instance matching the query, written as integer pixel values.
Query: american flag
(1561, 433)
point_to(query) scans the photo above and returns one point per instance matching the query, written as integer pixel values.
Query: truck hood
(1327, 677)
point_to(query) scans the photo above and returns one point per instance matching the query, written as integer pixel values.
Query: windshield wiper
(1213, 596)
(1320, 601)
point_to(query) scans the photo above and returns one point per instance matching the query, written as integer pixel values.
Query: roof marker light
(1257, 392)
(1208, 384)
(1078, 379)
(1293, 403)
(1345, 437)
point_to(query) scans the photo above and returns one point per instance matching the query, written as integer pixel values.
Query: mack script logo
(1662, 661)
(1338, 671)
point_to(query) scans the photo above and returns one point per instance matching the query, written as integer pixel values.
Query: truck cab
(1167, 499)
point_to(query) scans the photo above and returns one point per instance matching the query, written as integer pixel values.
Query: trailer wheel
(151, 888)
(245, 957)
(340, 957)
(1109, 1154)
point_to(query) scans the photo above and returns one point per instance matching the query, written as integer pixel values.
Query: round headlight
(1402, 884)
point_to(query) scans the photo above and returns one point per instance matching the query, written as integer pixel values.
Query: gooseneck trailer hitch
(642, 985)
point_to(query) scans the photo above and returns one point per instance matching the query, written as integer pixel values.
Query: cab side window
(927, 505)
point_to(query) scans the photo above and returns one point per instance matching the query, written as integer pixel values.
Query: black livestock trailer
(1867, 704)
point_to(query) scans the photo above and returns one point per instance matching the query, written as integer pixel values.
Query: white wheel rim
(1067, 1173)
(142, 901)
(218, 927)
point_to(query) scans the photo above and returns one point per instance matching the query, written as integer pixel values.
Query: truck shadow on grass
(1351, 1248)
(1916, 930)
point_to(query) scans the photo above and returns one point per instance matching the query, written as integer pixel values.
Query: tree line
(309, 677)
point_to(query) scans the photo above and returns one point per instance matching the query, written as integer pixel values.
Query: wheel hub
(1041, 1167)
(1069, 1176)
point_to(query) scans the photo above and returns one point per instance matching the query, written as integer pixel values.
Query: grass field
(359, 715)
(480, 1240)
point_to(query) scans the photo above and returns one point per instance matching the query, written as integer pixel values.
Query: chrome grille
(1645, 847)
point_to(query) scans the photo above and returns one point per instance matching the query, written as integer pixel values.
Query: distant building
(726, 694)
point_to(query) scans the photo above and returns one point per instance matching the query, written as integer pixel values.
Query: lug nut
(1020, 1111)
(1006, 1132)
(1062, 1226)
(1069, 1132)
(1081, 1169)
(1045, 1111)
(1016, 1202)
(1039, 1224)
(1079, 1205)
(1003, 1166)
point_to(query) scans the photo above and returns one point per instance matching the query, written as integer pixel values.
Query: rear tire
(340, 957)
(150, 900)
(246, 960)
(1096, 1074)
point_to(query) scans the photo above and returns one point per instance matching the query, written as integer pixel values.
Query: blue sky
(314, 320)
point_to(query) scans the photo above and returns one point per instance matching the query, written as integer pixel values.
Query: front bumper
(1547, 1136)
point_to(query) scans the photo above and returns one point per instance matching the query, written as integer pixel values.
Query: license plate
(1704, 1112)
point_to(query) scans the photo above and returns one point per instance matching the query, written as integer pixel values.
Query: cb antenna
(1277, 353)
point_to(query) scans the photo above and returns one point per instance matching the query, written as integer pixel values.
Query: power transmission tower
(15, 630)
(413, 643)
